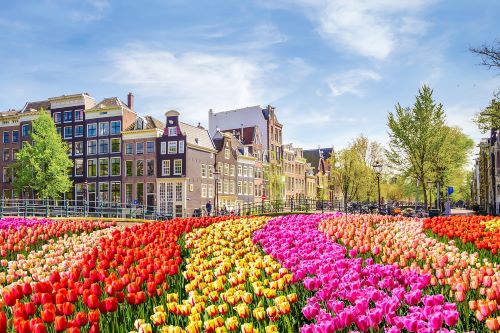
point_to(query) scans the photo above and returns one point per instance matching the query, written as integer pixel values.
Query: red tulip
(81, 318)
(94, 328)
(68, 308)
(111, 304)
(72, 296)
(30, 308)
(46, 298)
(60, 323)
(141, 297)
(3, 322)
(93, 316)
(27, 290)
(92, 302)
(48, 316)
(23, 326)
(74, 330)
(9, 299)
(39, 328)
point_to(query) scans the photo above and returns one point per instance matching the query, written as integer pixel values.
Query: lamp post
(377, 167)
(216, 204)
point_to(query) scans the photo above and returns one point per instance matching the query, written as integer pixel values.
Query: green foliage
(42, 166)
(422, 146)
(489, 117)
(276, 181)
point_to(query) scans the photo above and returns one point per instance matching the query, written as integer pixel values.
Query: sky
(332, 68)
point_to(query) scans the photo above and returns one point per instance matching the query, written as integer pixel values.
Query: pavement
(460, 211)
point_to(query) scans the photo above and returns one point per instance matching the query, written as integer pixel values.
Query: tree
(42, 166)
(416, 136)
(489, 118)
(490, 55)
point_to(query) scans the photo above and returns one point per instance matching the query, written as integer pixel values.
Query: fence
(79, 208)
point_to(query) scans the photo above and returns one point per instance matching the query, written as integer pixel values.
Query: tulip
(48, 316)
(231, 324)
(60, 323)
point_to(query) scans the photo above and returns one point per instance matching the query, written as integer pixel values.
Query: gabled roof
(9, 113)
(313, 156)
(38, 105)
(150, 122)
(197, 136)
(110, 102)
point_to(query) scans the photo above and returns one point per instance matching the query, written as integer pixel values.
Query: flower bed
(461, 276)
(105, 275)
(20, 235)
(481, 231)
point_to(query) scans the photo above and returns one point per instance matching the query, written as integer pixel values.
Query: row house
(319, 159)
(185, 160)
(236, 170)
(271, 130)
(294, 169)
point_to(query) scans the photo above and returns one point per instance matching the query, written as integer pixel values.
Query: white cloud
(351, 81)
(194, 82)
(91, 10)
(370, 28)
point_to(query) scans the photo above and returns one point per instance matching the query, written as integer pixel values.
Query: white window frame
(210, 169)
(101, 127)
(210, 190)
(96, 147)
(96, 167)
(240, 170)
(250, 172)
(203, 171)
(171, 130)
(111, 166)
(111, 145)
(172, 147)
(137, 151)
(181, 147)
(99, 171)
(83, 166)
(131, 151)
(150, 152)
(99, 146)
(64, 132)
(165, 168)
(176, 165)
(203, 190)
(111, 127)
(56, 115)
(88, 127)
(75, 132)
(240, 187)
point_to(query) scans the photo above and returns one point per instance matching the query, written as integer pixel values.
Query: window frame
(93, 127)
(94, 160)
(176, 165)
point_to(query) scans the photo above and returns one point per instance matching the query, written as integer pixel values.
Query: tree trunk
(424, 189)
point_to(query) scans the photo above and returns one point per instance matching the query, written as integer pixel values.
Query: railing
(78, 208)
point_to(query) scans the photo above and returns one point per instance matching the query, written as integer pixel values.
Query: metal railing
(78, 208)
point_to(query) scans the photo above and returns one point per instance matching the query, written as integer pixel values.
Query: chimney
(130, 101)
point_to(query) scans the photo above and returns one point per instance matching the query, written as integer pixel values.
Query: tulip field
(295, 273)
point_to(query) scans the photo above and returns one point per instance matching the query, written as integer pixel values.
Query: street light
(377, 167)
(216, 204)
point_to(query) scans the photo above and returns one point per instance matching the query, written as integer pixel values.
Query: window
(210, 190)
(219, 186)
(250, 188)
(70, 149)
(57, 117)
(232, 171)
(103, 167)
(6, 154)
(15, 136)
(128, 192)
(91, 130)
(150, 147)
(78, 167)
(226, 186)
(240, 170)
(181, 147)
(58, 130)
(177, 167)
(25, 130)
(6, 137)
(226, 153)
(68, 132)
(140, 193)
(115, 191)
(163, 148)
(250, 171)
(150, 188)
(92, 147)
(78, 148)
(178, 192)
(104, 191)
(245, 171)
(165, 168)
(128, 149)
(115, 166)
(172, 131)
(103, 129)
(219, 168)
(14, 154)
(231, 187)
(79, 130)
(103, 146)
(245, 188)
(7, 175)
(78, 115)
(150, 167)
(240, 188)
(210, 171)
(139, 148)
(116, 127)
(139, 167)
(226, 169)
(115, 145)
(172, 147)
(68, 116)
(203, 171)
(203, 190)
(91, 168)
(128, 168)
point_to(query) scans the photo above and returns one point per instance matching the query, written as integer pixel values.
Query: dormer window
(172, 131)
(140, 123)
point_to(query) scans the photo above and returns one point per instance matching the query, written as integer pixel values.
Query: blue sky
(332, 68)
